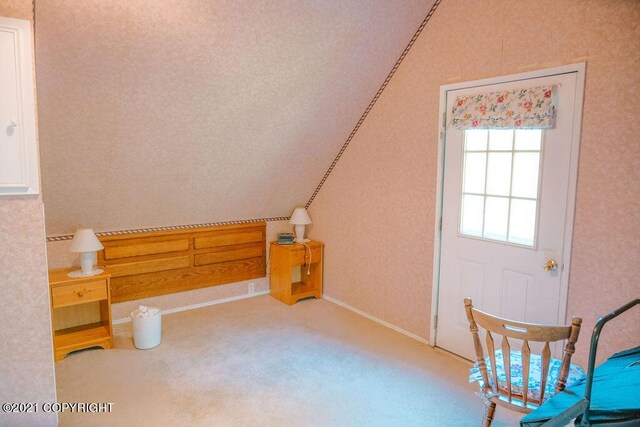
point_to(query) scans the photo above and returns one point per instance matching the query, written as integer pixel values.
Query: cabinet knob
(13, 123)
(80, 294)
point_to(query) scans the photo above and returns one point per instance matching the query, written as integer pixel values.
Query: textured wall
(26, 370)
(166, 112)
(376, 211)
(26, 355)
(18, 9)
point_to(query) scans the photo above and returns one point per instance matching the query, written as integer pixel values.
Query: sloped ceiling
(169, 112)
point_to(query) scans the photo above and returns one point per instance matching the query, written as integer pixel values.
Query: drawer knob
(80, 294)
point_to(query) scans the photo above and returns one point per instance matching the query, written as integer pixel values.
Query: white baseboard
(377, 320)
(198, 305)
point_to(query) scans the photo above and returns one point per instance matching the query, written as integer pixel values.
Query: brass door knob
(551, 265)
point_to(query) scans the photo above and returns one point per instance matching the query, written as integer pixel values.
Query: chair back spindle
(546, 359)
(506, 359)
(492, 357)
(526, 359)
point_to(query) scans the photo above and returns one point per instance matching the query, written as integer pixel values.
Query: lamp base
(78, 273)
(299, 229)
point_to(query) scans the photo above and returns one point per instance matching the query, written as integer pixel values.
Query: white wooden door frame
(578, 68)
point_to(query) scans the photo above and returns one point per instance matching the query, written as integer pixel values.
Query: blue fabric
(615, 395)
(575, 375)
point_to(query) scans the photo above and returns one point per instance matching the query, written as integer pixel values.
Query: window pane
(496, 217)
(528, 139)
(499, 174)
(497, 186)
(474, 169)
(475, 139)
(472, 207)
(522, 223)
(501, 139)
(525, 175)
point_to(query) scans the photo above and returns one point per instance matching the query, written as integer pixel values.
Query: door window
(500, 184)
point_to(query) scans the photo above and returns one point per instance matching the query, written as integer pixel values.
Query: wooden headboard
(162, 262)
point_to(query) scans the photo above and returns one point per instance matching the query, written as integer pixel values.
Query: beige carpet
(260, 362)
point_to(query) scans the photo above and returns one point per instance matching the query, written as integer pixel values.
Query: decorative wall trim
(169, 228)
(374, 100)
(376, 319)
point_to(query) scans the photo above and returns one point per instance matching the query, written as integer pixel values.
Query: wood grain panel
(301, 256)
(82, 336)
(225, 239)
(163, 234)
(213, 257)
(166, 282)
(149, 266)
(125, 251)
(74, 315)
(78, 294)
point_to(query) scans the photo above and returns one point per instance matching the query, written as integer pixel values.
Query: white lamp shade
(85, 240)
(300, 217)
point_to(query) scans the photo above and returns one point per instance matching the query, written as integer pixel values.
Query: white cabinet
(19, 173)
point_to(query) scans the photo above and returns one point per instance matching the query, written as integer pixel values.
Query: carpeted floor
(260, 362)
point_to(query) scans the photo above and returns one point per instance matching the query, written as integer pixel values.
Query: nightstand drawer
(79, 293)
(301, 256)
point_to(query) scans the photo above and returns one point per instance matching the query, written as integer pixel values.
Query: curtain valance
(532, 108)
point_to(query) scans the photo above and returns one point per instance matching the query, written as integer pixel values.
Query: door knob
(551, 265)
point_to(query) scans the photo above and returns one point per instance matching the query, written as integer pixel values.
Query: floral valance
(532, 108)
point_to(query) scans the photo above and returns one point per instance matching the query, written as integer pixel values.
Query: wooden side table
(296, 271)
(80, 312)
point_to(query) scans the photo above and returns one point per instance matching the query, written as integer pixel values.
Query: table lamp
(300, 218)
(86, 243)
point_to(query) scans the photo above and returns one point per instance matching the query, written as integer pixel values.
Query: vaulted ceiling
(169, 112)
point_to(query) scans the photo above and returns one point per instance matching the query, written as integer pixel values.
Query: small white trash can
(147, 327)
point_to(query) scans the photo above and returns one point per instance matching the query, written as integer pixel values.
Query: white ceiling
(167, 112)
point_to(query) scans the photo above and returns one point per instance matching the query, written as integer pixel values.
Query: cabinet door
(18, 146)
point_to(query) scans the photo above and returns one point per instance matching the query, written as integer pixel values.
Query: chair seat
(576, 375)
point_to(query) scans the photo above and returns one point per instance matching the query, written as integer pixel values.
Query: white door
(507, 203)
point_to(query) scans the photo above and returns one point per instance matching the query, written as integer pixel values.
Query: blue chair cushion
(576, 375)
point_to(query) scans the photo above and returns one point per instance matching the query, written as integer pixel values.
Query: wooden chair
(501, 391)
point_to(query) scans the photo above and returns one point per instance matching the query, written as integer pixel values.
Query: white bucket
(147, 327)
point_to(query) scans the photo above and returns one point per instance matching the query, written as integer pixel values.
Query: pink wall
(202, 111)
(26, 371)
(376, 211)
(18, 9)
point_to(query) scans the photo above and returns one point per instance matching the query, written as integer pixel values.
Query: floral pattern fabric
(576, 375)
(532, 108)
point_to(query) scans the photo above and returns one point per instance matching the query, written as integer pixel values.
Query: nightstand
(296, 271)
(80, 312)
